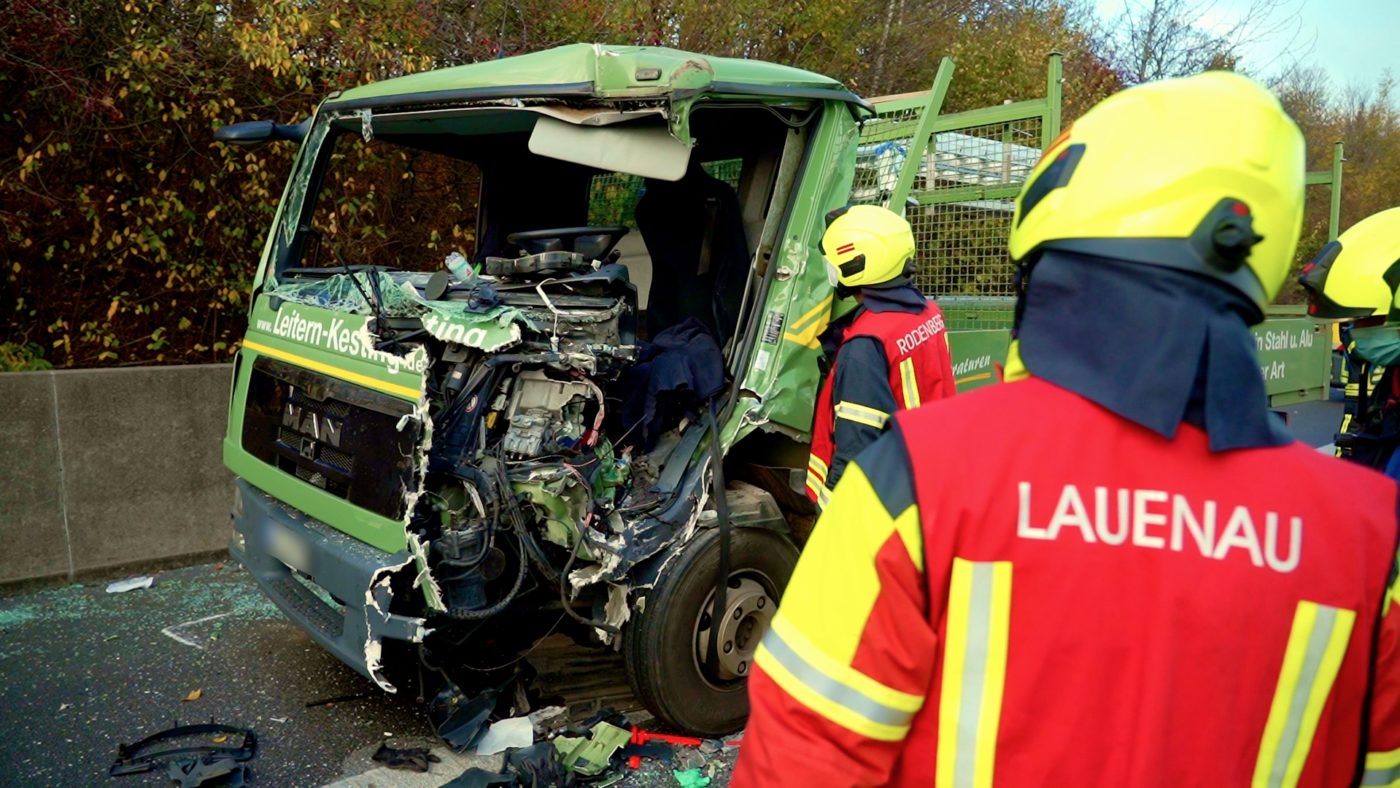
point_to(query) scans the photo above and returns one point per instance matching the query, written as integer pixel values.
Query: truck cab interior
(418, 187)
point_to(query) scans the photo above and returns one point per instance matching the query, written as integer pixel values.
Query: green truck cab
(451, 432)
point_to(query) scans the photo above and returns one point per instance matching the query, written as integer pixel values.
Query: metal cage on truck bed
(956, 178)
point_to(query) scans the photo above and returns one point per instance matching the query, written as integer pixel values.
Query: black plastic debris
(652, 750)
(459, 720)
(191, 763)
(208, 770)
(539, 765)
(409, 759)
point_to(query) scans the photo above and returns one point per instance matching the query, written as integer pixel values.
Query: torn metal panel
(381, 624)
(423, 578)
(616, 611)
(374, 646)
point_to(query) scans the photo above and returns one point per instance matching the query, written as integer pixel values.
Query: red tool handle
(640, 736)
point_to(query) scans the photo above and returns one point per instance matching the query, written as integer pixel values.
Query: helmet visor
(1314, 281)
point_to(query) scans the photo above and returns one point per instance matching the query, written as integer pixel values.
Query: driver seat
(694, 232)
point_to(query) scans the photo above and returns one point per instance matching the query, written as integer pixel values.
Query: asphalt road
(84, 671)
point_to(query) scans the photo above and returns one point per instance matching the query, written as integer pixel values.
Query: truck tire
(666, 643)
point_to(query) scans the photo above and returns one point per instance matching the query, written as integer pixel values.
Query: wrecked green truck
(533, 348)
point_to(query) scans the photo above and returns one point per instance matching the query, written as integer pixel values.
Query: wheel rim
(749, 607)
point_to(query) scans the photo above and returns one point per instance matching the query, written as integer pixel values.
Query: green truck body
(431, 469)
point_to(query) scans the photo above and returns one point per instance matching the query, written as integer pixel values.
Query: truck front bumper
(332, 585)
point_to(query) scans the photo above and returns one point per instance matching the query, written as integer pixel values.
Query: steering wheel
(592, 242)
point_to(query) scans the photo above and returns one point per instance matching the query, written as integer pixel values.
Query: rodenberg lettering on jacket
(1160, 520)
(921, 334)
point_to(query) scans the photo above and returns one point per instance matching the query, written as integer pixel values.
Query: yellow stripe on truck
(368, 382)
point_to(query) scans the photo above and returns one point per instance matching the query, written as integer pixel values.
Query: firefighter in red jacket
(891, 352)
(1126, 574)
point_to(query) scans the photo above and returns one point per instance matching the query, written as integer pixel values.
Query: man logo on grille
(309, 422)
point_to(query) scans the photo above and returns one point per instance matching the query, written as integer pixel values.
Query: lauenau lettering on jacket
(922, 333)
(1161, 520)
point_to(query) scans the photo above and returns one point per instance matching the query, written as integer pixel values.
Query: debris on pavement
(601, 750)
(189, 772)
(130, 584)
(190, 764)
(592, 756)
(539, 764)
(507, 734)
(459, 720)
(548, 719)
(652, 750)
(331, 701)
(410, 759)
(691, 778)
(689, 758)
(194, 695)
(173, 632)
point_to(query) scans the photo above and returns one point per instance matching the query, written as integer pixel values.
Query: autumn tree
(131, 237)
(1366, 120)
(1155, 39)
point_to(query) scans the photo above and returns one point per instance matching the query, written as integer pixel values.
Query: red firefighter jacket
(917, 368)
(1075, 600)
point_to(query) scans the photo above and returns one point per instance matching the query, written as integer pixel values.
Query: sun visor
(648, 151)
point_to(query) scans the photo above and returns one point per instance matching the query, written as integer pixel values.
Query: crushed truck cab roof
(598, 71)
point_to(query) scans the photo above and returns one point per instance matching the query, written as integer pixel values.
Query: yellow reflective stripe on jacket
(860, 414)
(816, 480)
(837, 692)
(910, 383)
(1316, 645)
(819, 489)
(974, 673)
(854, 528)
(1382, 768)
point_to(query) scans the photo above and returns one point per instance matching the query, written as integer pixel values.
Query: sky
(1352, 40)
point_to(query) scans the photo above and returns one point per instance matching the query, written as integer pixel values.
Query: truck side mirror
(256, 132)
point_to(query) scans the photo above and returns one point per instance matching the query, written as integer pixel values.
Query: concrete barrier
(102, 469)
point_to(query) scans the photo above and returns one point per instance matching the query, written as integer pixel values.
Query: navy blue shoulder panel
(886, 464)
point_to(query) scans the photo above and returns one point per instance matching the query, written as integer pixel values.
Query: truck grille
(333, 435)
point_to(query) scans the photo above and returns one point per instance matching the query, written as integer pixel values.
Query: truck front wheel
(667, 643)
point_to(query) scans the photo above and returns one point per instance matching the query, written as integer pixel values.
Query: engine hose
(564, 598)
(492, 518)
(532, 549)
(721, 603)
(467, 614)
